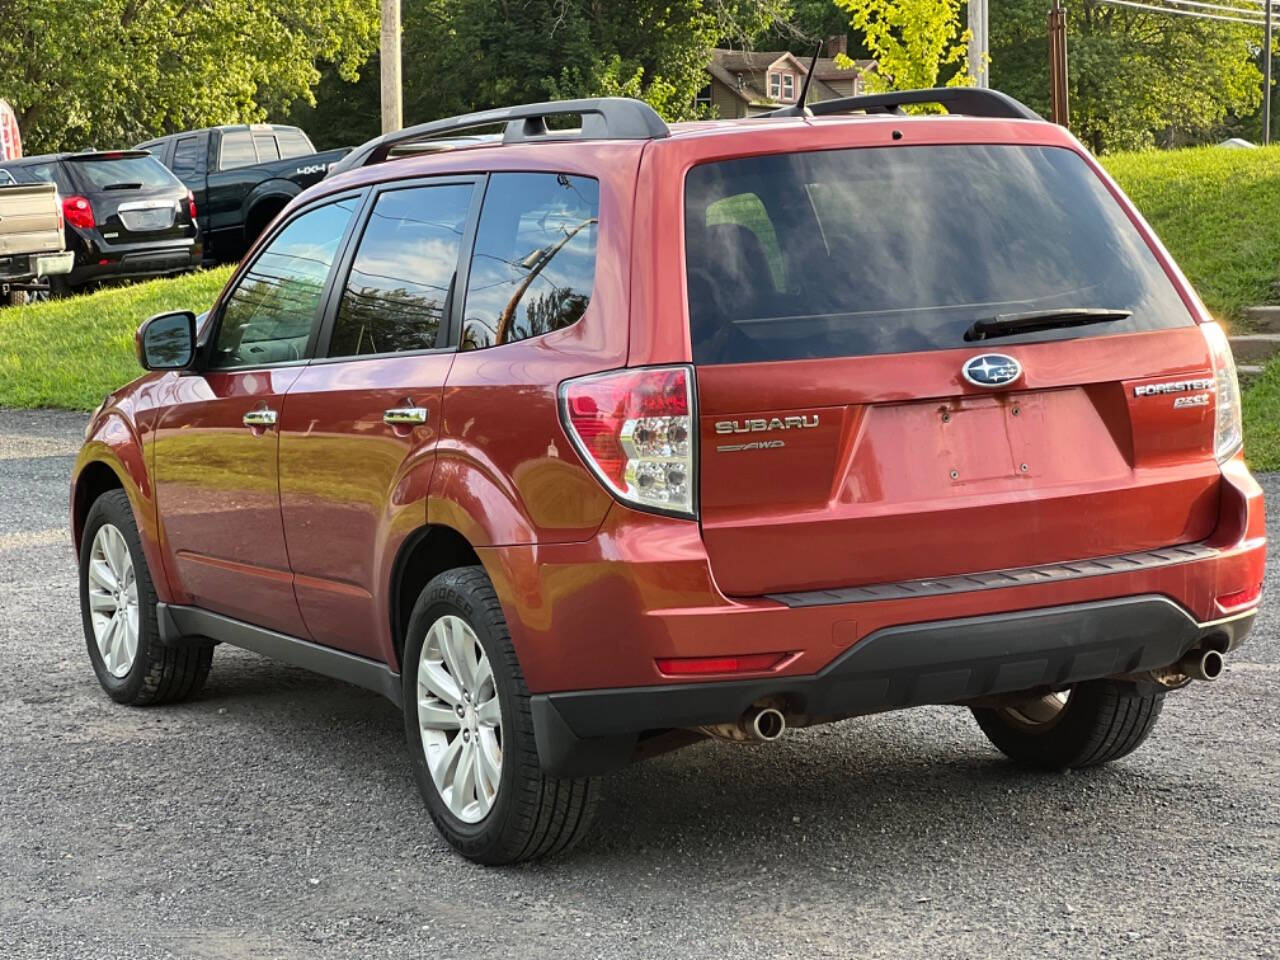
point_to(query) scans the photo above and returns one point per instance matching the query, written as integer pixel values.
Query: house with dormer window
(743, 83)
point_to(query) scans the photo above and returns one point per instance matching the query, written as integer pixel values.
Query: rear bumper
(96, 261)
(30, 268)
(946, 661)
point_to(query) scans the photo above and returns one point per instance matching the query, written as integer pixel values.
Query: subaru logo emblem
(991, 370)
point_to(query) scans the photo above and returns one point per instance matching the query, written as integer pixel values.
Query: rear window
(900, 249)
(42, 172)
(106, 173)
(293, 143)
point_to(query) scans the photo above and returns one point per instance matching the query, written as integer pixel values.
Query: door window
(535, 257)
(188, 157)
(396, 294)
(270, 314)
(237, 150)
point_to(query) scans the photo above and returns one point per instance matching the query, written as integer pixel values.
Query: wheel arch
(425, 554)
(94, 479)
(263, 205)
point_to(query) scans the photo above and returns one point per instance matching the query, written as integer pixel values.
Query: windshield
(102, 173)
(898, 249)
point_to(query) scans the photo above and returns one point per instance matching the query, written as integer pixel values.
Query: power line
(1181, 13)
(1218, 6)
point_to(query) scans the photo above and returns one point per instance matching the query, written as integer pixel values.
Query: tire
(528, 815)
(154, 673)
(1100, 721)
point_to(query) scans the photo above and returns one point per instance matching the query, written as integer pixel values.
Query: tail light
(191, 205)
(635, 430)
(62, 222)
(77, 212)
(1228, 432)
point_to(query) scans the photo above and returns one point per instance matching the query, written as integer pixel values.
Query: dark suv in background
(126, 215)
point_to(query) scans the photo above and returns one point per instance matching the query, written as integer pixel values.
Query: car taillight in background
(77, 212)
(1228, 432)
(635, 429)
(191, 205)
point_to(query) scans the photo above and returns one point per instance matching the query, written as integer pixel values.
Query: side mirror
(167, 341)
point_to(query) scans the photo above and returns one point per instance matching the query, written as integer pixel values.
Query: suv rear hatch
(134, 198)
(835, 300)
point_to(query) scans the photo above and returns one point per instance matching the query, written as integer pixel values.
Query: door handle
(260, 418)
(398, 416)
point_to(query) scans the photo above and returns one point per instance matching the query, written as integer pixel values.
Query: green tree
(1135, 78)
(111, 72)
(916, 43)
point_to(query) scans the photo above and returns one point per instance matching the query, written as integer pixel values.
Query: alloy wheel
(113, 600)
(460, 718)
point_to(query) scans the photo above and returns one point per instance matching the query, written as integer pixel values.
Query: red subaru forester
(584, 444)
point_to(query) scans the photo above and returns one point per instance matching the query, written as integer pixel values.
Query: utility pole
(978, 42)
(1058, 65)
(392, 118)
(1266, 78)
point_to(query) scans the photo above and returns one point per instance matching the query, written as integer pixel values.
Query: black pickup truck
(241, 177)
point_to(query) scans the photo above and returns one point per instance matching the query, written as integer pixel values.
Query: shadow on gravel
(860, 796)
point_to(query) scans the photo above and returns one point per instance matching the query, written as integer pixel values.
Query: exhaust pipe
(757, 725)
(1202, 664)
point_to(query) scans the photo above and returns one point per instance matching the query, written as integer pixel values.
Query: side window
(402, 273)
(188, 158)
(535, 257)
(269, 316)
(237, 150)
(267, 149)
(745, 211)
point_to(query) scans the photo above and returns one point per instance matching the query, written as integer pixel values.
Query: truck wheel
(118, 608)
(1090, 724)
(470, 732)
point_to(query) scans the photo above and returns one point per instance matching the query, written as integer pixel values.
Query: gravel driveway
(275, 817)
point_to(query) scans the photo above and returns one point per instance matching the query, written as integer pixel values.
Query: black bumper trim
(941, 662)
(998, 579)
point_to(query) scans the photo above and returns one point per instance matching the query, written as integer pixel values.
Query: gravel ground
(275, 817)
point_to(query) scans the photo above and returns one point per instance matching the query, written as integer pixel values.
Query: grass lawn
(71, 353)
(1218, 212)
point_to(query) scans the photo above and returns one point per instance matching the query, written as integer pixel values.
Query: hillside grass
(71, 353)
(1218, 212)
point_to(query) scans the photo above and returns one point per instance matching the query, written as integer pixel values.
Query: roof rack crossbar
(603, 118)
(969, 101)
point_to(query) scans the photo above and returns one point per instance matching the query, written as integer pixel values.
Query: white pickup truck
(31, 239)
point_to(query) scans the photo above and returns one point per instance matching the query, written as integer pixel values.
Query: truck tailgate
(30, 219)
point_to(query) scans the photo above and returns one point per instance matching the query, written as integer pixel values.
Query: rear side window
(236, 150)
(534, 262)
(396, 294)
(120, 173)
(43, 173)
(270, 314)
(293, 143)
(899, 249)
(188, 157)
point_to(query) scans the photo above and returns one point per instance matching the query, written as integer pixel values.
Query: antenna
(798, 109)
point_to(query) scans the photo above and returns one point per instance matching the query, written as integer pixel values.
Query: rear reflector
(1241, 598)
(744, 663)
(634, 429)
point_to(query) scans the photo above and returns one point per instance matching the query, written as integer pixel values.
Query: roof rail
(603, 118)
(969, 101)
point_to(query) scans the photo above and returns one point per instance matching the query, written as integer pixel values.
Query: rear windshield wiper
(123, 186)
(1007, 324)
